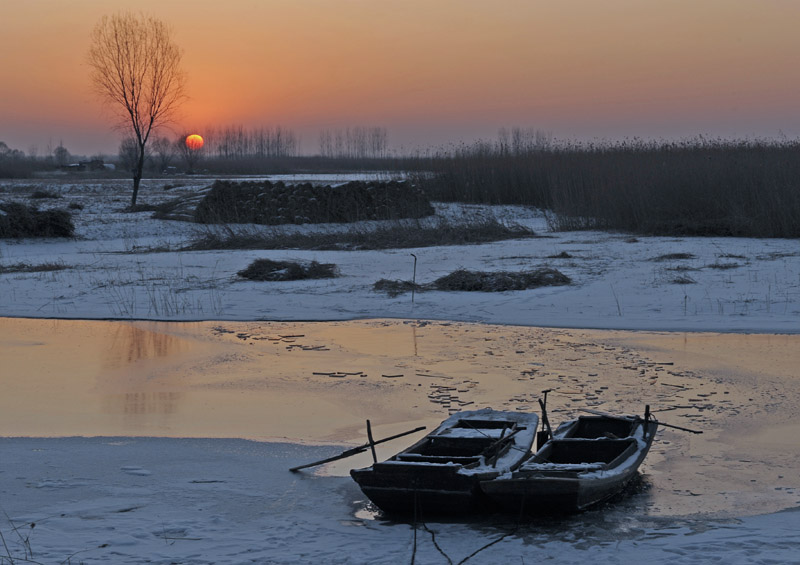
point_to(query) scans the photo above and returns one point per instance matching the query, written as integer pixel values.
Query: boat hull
(415, 492)
(541, 495)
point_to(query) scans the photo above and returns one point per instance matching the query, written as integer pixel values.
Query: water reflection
(130, 343)
(139, 403)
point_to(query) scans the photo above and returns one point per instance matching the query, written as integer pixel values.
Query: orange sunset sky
(430, 71)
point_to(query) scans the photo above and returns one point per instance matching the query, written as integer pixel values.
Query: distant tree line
(354, 143)
(15, 163)
(238, 142)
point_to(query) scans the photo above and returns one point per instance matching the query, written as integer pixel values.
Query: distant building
(91, 165)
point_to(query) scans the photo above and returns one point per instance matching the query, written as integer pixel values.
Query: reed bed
(695, 187)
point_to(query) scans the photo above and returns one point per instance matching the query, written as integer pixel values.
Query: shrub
(19, 220)
(269, 270)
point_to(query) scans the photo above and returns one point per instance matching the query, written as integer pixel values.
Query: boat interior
(463, 443)
(578, 451)
(593, 427)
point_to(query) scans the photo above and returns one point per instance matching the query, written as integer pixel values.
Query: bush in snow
(19, 220)
(269, 270)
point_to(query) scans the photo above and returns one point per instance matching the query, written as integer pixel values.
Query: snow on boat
(588, 460)
(441, 473)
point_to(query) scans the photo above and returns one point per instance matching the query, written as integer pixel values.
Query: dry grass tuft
(723, 266)
(27, 268)
(269, 270)
(463, 280)
(395, 287)
(674, 257)
(499, 281)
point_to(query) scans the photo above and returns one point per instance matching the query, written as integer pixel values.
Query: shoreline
(292, 320)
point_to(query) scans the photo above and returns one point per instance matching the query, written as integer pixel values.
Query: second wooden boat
(588, 460)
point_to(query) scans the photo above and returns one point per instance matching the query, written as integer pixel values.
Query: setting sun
(194, 142)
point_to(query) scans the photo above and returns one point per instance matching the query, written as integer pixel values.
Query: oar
(355, 450)
(607, 415)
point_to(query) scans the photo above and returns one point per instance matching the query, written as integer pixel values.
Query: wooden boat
(441, 473)
(587, 461)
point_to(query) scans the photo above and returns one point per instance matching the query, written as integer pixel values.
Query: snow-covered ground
(619, 281)
(160, 500)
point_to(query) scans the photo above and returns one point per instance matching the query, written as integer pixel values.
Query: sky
(433, 72)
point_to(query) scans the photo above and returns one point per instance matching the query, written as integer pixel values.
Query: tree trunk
(136, 178)
(137, 175)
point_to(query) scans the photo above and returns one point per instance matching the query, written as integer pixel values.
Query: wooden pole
(629, 418)
(354, 451)
(545, 420)
(371, 442)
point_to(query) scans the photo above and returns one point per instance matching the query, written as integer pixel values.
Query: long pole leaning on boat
(355, 450)
(599, 413)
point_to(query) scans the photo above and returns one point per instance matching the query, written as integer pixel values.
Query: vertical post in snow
(414, 279)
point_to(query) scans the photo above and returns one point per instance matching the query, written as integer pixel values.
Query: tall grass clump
(694, 187)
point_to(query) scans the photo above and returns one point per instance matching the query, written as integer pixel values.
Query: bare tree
(136, 70)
